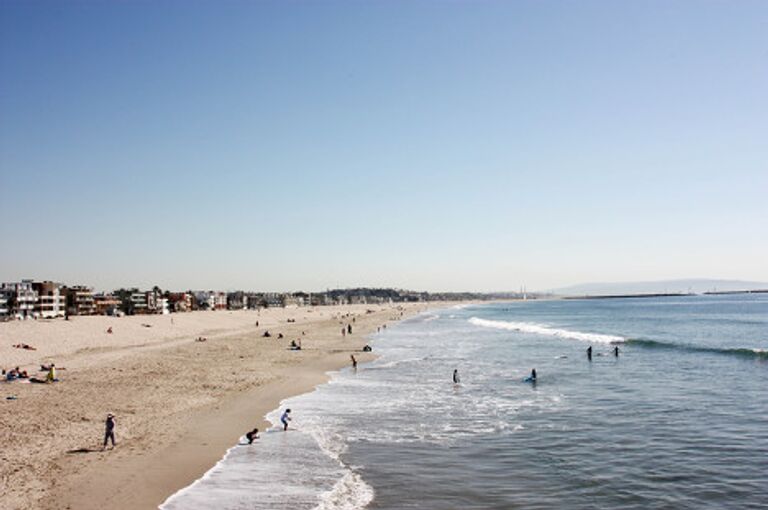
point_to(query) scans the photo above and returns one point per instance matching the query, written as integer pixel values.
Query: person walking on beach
(589, 353)
(343, 331)
(456, 379)
(354, 361)
(285, 418)
(109, 431)
(349, 328)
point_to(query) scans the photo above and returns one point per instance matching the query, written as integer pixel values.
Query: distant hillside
(697, 286)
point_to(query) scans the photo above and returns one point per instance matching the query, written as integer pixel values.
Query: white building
(6, 295)
(51, 301)
(25, 299)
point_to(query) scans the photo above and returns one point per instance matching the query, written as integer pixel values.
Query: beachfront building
(291, 301)
(219, 300)
(253, 301)
(272, 299)
(23, 299)
(180, 301)
(139, 302)
(204, 300)
(80, 300)
(211, 300)
(51, 300)
(320, 299)
(236, 300)
(6, 301)
(106, 304)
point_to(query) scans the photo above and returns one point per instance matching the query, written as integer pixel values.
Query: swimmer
(456, 379)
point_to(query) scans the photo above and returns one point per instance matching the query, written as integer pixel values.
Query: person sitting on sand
(295, 346)
(367, 348)
(266, 334)
(250, 436)
(51, 377)
(109, 330)
(279, 335)
(285, 418)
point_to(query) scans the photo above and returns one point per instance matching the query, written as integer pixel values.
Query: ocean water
(679, 420)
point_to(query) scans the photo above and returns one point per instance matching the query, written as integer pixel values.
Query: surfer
(456, 379)
(531, 378)
(589, 353)
(285, 418)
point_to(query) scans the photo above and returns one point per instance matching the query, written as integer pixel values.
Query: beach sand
(179, 404)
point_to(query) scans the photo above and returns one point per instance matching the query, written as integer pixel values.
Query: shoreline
(170, 429)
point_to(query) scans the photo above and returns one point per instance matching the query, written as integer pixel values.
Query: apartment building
(51, 300)
(237, 300)
(6, 299)
(80, 301)
(106, 304)
(180, 301)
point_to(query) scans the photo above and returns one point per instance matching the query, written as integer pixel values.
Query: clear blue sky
(431, 145)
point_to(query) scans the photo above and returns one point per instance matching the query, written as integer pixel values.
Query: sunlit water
(678, 420)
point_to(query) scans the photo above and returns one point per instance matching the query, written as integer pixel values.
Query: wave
(744, 352)
(540, 329)
(350, 493)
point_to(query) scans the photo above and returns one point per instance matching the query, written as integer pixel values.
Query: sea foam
(540, 329)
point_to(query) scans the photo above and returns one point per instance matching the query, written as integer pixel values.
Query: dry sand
(179, 404)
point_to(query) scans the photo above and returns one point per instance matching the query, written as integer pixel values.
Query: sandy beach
(179, 403)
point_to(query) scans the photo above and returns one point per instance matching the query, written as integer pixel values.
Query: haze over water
(678, 420)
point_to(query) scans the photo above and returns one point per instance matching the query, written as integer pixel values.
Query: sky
(451, 145)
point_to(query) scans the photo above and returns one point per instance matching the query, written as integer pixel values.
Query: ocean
(678, 420)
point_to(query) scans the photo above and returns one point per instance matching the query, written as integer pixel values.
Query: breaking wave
(540, 329)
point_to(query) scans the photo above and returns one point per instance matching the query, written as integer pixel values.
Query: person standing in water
(616, 351)
(533, 375)
(456, 379)
(285, 418)
(109, 431)
(589, 353)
